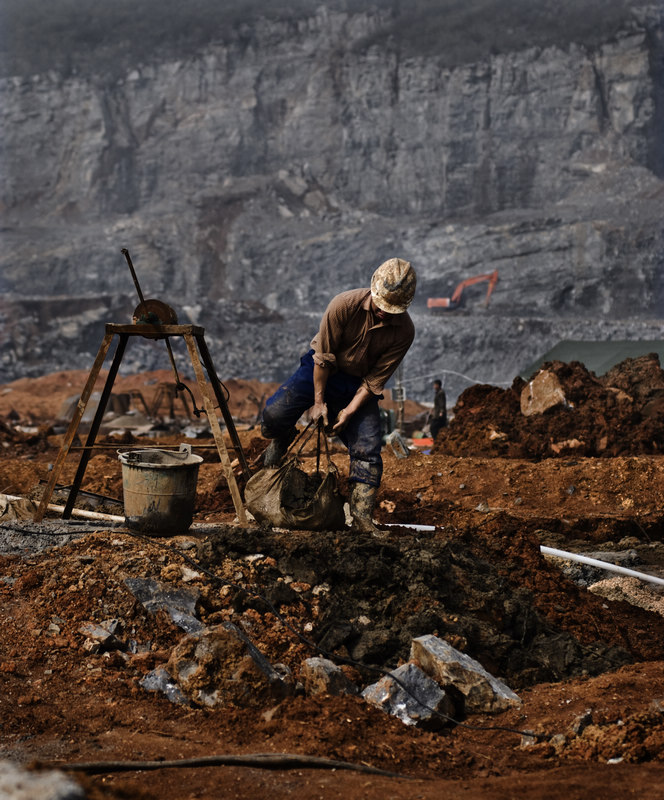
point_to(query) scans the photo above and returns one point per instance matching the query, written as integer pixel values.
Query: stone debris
(397, 444)
(99, 639)
(179, 603)
(219, 666)
(631, 590)
(449, 667)
(528, 739)
(160, 680)
(17, 783)
(544, 391)
(581, 722)
(322, 676)
(390, 696)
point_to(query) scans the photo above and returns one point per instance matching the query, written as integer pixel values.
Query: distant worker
(363, 336)
(439, 412)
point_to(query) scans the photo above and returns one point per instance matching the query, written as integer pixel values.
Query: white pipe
(79, 512)
(595, 562)
(75, 512)
(410, 525)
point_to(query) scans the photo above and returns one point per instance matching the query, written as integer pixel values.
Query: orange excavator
(450, 303)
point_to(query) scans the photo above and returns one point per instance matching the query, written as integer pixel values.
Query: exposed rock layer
(260, 174)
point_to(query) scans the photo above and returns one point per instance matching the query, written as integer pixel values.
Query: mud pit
(478, 580)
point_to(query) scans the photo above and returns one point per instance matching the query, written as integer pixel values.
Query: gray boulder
(446, 665)
(322, 676)
(220, 666)
(422, 702)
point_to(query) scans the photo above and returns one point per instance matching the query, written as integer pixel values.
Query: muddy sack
(288, 497)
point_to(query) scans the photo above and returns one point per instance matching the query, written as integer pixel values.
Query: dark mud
(488, 593)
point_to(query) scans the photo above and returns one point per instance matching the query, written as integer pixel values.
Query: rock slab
(447, 666)
(412, 696)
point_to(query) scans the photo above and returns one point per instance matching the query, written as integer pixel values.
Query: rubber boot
(277, 449)
(362, 499)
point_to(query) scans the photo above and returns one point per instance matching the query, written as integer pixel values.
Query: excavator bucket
(440, 302)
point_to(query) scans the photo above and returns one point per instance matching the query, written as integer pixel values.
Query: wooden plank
(151, 330)
(73, 426)
(223, 406)
(216, 430)
(96, 424)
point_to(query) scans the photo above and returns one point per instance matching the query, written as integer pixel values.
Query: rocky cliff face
(263, 173)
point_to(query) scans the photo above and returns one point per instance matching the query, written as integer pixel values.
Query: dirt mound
(617, 414)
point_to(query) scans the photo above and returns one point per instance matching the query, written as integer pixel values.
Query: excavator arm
(450, 303)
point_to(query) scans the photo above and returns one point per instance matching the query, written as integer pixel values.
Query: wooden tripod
(193, 336)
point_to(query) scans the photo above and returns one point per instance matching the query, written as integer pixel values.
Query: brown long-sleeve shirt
(353, 340)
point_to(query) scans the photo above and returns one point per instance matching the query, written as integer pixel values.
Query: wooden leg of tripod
(216, 429)
(73, 427)
(96, 424)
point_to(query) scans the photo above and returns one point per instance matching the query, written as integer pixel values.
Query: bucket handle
(135, 455)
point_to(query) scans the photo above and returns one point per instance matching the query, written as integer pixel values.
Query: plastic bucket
(159, 489)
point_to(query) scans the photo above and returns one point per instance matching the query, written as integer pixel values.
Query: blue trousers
(362, 436)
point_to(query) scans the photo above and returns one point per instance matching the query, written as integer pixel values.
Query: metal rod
(60, 487)
(125, 253)
(80, 512)
(137, 447)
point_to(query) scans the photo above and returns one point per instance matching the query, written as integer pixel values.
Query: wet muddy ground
(477, 579)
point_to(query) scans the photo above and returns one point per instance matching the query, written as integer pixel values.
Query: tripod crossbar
(199, 354)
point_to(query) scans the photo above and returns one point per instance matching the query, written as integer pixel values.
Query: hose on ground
(256, 760)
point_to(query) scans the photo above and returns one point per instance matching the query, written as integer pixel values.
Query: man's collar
(393, 319)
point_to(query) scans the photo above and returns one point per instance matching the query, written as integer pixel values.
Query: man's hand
(342, 420)
(319, 411)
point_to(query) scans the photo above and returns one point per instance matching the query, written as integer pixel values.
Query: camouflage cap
(393, 285)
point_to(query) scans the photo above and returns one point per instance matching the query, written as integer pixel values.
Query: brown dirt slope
(589, 669)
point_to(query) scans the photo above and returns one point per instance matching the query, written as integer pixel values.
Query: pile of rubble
(564, 410)
(252, 617)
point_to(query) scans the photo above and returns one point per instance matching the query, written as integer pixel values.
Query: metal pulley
(149, 312)
(154, 312)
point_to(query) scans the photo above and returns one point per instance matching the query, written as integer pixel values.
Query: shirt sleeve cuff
(328, 360)
(373, 387)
